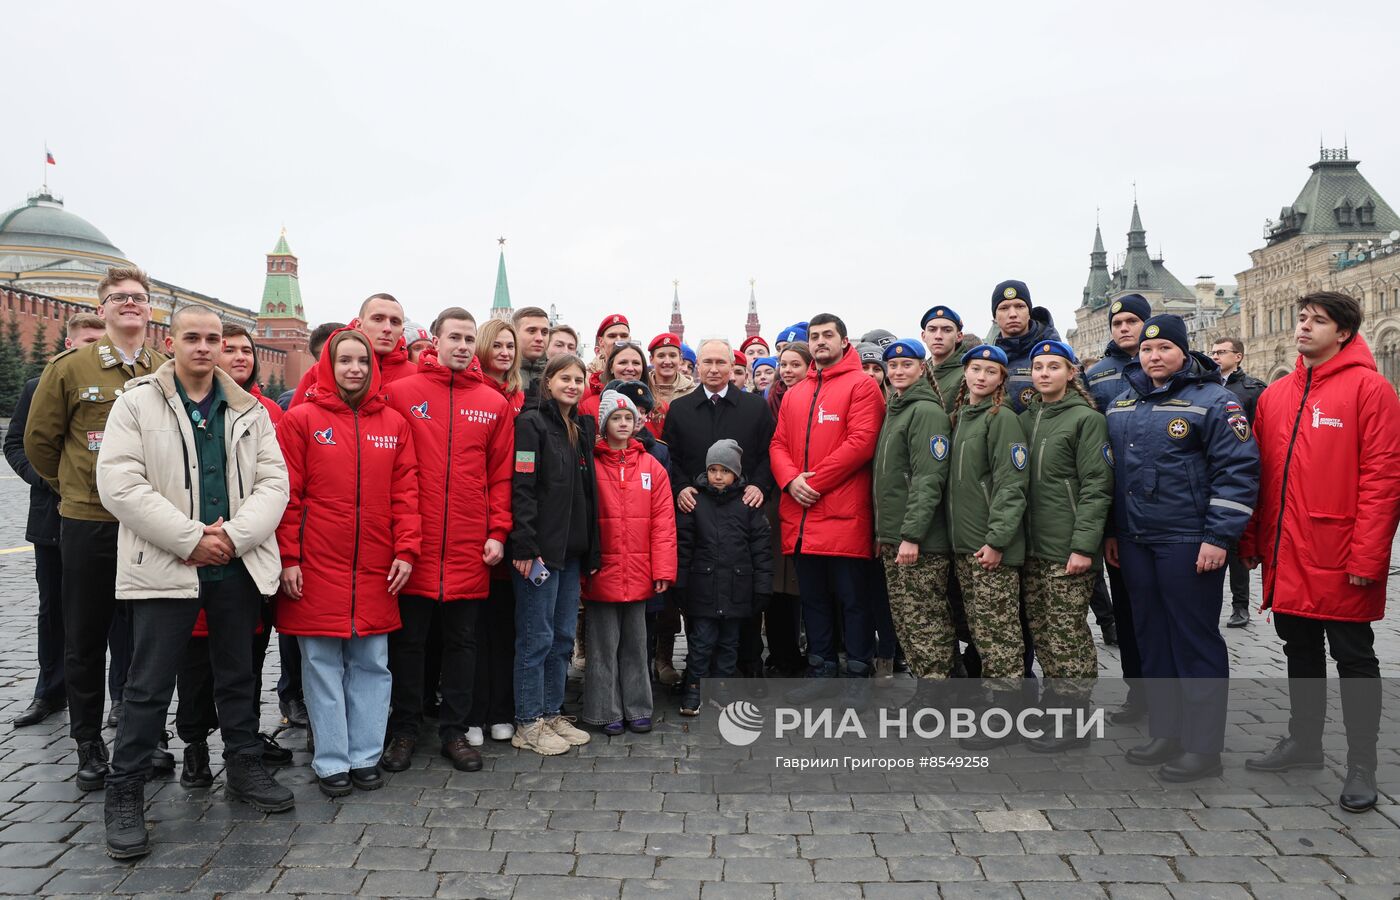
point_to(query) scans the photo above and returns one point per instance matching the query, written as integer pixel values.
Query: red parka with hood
(353, 510)
(829, 425)
(463, 438)
(636, 522)
(391, 366)
(1329, 488)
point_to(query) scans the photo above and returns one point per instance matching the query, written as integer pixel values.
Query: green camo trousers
(1057, 606)
(919, 606)
(993, 602)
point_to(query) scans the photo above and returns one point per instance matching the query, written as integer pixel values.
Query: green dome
(42, 222)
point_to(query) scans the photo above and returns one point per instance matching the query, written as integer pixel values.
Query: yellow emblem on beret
(1152, 331)
(1117, 306)
(899, 350)
(986, 354)
(1009, 293)
(1045, 349)
(938, 312)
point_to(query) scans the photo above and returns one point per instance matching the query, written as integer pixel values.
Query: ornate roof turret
(1337, 200)
(500, 303)
(282, 288)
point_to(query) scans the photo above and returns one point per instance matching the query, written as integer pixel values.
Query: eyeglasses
(119, 299)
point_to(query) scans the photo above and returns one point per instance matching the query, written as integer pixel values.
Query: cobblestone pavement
(672, 814)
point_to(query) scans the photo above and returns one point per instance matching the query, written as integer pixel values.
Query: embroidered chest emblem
(1178, 428)
(325, 437)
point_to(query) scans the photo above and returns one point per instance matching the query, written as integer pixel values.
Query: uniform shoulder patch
(1027, 395)
(1105, 375)
(1175, 401)
(1108, 453)
(938, 446)
(1178, 428)
(1239, 424)
(525, 461)
(1019, 456)
(1128, 402)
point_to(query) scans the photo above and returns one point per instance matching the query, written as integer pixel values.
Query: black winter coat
(724, 554)
(552, 492)
(693, 424)
(42, 526)
(1247, 388)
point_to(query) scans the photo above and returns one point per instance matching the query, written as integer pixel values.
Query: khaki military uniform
(68, 417)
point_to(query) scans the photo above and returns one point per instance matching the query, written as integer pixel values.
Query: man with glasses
(64, 433)
(1228, 353)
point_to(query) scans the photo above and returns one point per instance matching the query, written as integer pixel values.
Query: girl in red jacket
(498, 352)
(349, 539)
(638, 530)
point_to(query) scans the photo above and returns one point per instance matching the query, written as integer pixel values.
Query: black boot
(196, 772)
(125, 815)
(1110, 634)
(1009, 701)
(93, 765)
(1191, 767)
(162, 760)
(246, 779)
(1155, 751)
(273, 753)
(1287, 754)
(1239, 617)
(1050, 742)
(37, 712)
(114, 715)
(1130, 713)
(1359, 792)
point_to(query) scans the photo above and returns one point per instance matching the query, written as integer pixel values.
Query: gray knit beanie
(726, 453)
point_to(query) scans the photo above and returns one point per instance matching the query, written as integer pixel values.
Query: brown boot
(398, 755)
(464, 756)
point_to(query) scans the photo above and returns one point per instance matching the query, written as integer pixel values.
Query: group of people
(444, 518)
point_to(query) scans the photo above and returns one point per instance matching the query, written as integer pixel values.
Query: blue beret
(687, 353)
(1010, 290)
(792, 333)
(941, 312)
(905, 348)
(1167, 327)
(1136, 304)
(770, 361)
(1055, 348)
(990, 352)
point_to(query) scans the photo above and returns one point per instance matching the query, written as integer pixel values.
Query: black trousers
(1352, 645)
(161, 630)
(407, 652)
(195, 714)
(92, 617)
(1239, 579)
(48, 572)
(493, 690)
(1101, 605)
(782, 623)
(1128, 654)
(289, 654)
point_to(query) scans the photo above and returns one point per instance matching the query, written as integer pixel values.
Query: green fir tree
(13, 367)
(38, 350)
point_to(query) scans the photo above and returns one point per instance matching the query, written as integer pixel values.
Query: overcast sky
(865, 159)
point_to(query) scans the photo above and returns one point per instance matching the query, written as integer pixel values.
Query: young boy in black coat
(725, 566)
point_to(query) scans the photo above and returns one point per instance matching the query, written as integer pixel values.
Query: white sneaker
(502, 731)
(535, 736)
(564, 727)
(474, 737)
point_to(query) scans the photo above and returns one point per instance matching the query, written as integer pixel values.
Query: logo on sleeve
(1178, 428)
(646, 481)
(938, 446)
(1018, 456)
(325, 437)
(525, 461)
(1027, 396)
(1240, 425)
(95, 440)
(1108, 453)
(420, 411)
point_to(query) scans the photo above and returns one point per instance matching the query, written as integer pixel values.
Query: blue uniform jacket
(1019, 389)
(1105, 377)
(1186, 465)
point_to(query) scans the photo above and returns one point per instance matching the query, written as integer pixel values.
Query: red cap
(740, 359)
(614, 319)
(754, 339)
(664, 340)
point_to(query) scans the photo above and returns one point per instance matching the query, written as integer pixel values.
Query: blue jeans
(546, 617)
(347, 686)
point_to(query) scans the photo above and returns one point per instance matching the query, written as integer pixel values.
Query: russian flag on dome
(48, 157)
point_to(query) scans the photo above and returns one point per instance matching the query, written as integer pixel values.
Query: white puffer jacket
(148, 477)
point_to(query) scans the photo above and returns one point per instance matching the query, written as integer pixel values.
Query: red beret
(754, 339)
(614, 319)
(740, 359)
(664, 340)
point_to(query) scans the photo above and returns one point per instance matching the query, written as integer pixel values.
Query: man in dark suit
(717, 411)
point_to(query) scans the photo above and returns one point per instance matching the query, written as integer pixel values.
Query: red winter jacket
(514, 399)
(463, 438)
(1338, 487)
(391, 367)
(588, 406)
(829, 425)
(273, 410)
(353, 510)
(636, 522)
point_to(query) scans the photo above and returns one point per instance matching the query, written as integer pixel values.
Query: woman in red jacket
(638, 530)
(349, 539)
(626, 362)
(498, 352)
